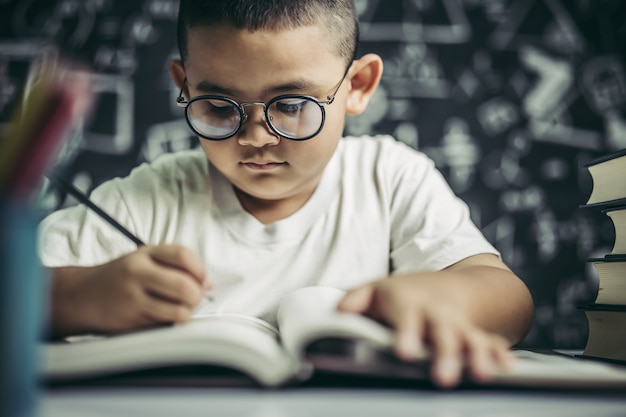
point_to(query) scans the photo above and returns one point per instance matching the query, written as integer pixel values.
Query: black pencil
(70, 189)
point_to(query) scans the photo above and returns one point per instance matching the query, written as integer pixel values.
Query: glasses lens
(214, 118)
(296, 117)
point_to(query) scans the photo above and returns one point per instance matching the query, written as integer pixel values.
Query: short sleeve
(79, 237)
(150, 203)
(431, 226)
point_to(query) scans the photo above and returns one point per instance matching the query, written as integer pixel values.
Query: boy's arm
(153, 285)
(470, 312)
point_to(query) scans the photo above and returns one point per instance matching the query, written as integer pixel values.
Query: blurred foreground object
(54, 99)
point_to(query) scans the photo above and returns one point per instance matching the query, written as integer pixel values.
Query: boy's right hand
(153, 285)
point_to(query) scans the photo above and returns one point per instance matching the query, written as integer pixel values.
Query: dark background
(509, 97)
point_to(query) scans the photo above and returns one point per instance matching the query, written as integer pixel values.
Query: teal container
(23, 304)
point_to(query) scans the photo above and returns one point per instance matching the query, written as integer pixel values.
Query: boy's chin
(268, 194)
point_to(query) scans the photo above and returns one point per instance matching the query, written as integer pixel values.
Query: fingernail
(409, 346)
(483, 369)
(447, 371)
(488, 366)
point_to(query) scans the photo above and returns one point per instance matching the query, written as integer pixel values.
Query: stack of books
(607, 314)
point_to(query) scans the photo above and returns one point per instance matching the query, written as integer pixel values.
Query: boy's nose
(255, 130)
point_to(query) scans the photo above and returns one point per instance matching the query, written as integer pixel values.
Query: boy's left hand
(424, 310)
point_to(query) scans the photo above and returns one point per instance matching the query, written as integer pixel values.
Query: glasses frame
(181, 101)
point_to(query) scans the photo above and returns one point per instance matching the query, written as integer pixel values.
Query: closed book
(607, 332)
(611, 279)
(618, 217)
(608, 174)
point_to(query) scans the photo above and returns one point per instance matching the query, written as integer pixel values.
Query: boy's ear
(177, 72)
(364, 76)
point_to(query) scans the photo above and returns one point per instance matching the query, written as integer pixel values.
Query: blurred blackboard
(509, 97)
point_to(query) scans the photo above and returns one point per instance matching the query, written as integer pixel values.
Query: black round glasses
(291, 116)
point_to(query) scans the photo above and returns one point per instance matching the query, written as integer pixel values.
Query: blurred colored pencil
(40, 125)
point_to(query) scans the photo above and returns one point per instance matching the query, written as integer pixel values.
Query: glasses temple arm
(331, 98)
(181, 101)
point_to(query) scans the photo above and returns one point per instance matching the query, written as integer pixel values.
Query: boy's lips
(263, 165)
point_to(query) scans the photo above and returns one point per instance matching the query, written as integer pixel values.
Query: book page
(242, 319)
(310, 313)
(242, 343)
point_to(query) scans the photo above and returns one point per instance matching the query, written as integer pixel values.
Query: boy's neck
(270, 211)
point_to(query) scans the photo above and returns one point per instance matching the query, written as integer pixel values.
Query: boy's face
(256, 67)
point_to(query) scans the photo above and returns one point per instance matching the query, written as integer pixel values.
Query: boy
(277, 200)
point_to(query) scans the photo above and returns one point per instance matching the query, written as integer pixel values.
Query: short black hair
(337, 17)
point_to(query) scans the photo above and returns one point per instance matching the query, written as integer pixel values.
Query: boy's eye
(218, 107)
(291, 106)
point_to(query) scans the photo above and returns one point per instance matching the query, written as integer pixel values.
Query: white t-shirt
(380, 208)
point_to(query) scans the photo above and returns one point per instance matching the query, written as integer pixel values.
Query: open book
(313, 337)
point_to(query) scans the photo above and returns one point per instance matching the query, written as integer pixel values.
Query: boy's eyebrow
(208, 87)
